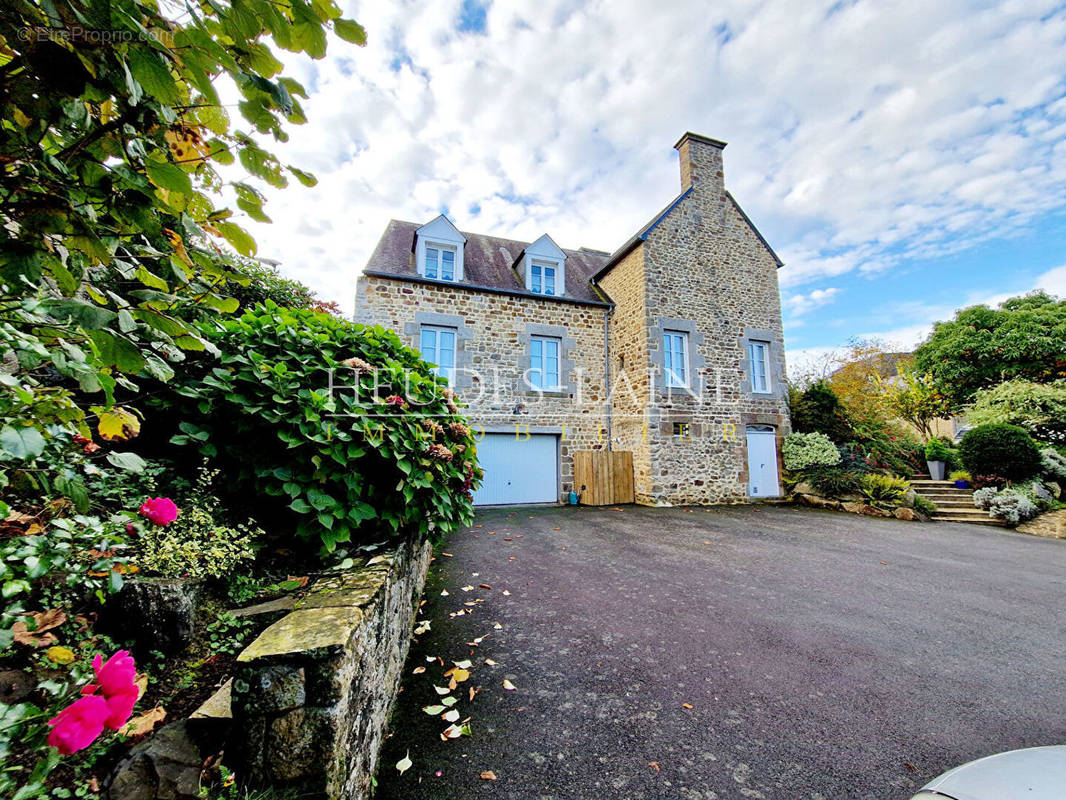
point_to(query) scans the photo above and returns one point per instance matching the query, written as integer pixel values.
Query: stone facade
(700, 268)
(491, 363)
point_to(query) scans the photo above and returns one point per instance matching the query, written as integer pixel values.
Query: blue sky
(904, 159)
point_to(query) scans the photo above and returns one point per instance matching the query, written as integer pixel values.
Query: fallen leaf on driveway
(508, 685)
(687, 705)
(449, 701)
(444, 593)
(448, 555)
(434, 710)
(497, 626)
(654, 765)
(451, 732)
(418, 670)
(450, 716)
(484, 586)
(441, 690)
(490, 662)
(474, 693)
(468, 588)
(404, 763)
(488, 775)
(464, 664)
(505, 592)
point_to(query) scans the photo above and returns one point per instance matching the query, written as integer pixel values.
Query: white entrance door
(762, 462)
(518, 470)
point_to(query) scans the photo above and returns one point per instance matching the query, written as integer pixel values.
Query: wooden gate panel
(603, 477)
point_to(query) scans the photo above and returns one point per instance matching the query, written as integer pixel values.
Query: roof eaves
(641, 236)
(397, 276)
(755, 230)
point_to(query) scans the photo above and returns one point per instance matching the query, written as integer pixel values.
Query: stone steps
(952, 504)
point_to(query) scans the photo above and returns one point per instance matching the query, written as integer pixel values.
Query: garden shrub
(802, 450)
(833, 481)
(197, 543)
(924, 505)
(1010, 505)
(1040, 408)
(817, 409)
(1053, 464)
(342, 422)
(984, 481)
(960, 475)
(936, 450)
(999, 449)
(884, 490)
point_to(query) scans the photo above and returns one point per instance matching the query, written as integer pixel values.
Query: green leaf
(300, 506)
(12, 588)
(350, 31)
(127, 461)
(21, 443)
(152, 73)
(306, 178)
(241, 240)
(169, 176)
(117, 351)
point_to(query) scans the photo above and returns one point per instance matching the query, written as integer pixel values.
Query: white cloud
(800, 304)
(861, 133)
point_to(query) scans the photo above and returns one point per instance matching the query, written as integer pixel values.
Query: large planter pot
(936, 470)
(962, 484)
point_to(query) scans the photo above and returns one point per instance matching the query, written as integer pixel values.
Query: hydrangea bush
(333, 420)
(803, 450)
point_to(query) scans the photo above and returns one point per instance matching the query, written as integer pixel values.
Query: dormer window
(439, 250)
(542, 277)
(542, 267)
(440, 262)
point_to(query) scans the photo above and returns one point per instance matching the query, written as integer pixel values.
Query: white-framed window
(439, 262)
(438, 347)
(759, 361)
(542, 277)
(675, 359)
(544, 362)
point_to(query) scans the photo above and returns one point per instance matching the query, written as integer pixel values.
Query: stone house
(670, 348)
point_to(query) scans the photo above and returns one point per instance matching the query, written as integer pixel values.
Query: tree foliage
(915, 397)
(113, 237)
(1040, 408)
(1025, 337)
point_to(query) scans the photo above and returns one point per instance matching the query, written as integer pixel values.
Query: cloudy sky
(903, 158)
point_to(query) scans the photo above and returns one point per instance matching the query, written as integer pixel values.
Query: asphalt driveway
(729, 653)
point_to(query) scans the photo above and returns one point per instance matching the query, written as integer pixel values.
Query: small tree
(818, 410)
(916, 398)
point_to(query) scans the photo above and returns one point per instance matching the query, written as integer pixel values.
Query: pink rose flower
(159, 510)
(120, 708)
(117, 676)
(78, 725)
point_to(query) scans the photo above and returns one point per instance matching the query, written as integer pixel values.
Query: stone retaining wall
(312, 695)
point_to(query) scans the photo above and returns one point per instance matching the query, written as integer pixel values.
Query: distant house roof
(488, 264)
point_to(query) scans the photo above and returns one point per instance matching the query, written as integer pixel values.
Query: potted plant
(961, 478)
(936, 456)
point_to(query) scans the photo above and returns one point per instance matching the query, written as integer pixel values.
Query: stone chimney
(701, 162)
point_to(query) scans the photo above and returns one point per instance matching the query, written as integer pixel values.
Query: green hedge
(998, 449)
(349, 466)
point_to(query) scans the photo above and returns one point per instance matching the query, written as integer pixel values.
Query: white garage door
(518, 470)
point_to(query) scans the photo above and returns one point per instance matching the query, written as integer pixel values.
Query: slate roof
(488, 264)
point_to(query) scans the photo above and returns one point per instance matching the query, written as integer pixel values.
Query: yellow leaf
(119, 424)
(508, 685)
(60, 655)
(488, 775)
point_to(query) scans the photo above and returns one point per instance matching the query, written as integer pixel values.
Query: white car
(1037, 773)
